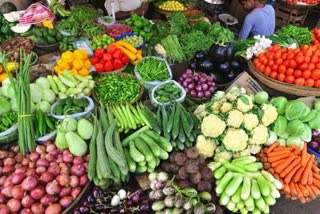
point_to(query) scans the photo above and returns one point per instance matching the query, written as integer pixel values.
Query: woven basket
(282, 86)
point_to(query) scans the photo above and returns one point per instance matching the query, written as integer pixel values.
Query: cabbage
(5, 105)
(315, 122)
(295, 141)
(307, 134)
(280, 103)
(272, 138)
(48, 95)
(36, 93)
(295, 128)
(44, 106)
(312, 114)
(317, 104)
(261, 97)
(8, 91)
(280, 126)
(43, 83)
(296, 109)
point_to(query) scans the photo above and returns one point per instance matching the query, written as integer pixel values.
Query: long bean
(151, 69)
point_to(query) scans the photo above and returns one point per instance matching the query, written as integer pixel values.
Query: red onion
(63, 180)
(53, 188)
(8, 169)
(59, 159)
(31, 171)
(7, 191)
(40, 170)
(3, 199)
(65, 191)
(40, 149)
(26, 211)
(8, 181)
(25, 162)
(29, 183)
(27, 201)
(75, 192)
(87, 158)
(3, 154)
(66, 201)
(49, 157)
(55, 153)
(67, 157)
(21, 169)
(17, 178)
(78, 160)
(54, 169)
(64, 169)
(34, 156)
(4, 209)
(51, 148)
(83, 180)
(14, 205)
(46, 177)
(11, 154)
(47, 199)
(3, 180)
(15, 149)
(42, 162)
(78, 170)
(17, 165)
(18, 158)
(37, 192)
(9, 161)
(53, 209)
(37, 208)
(17, 192)
(74, 181)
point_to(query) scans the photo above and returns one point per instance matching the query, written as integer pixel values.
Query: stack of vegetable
(47, 180)
(295, 121)
(150, 69)
(117, 88)
(315, 36)
(44, 124)
(70, 106)
(66, 44)
(236, 122)
(243, 186)
(132, 53)
(178, 125)
(43, 36)
(116, 30)
(7, 120)
(290, 34)
(91, 29)
(168, 92)
(134, 40)
(101, 41)
(13, 46)
(144, 149)
(295, 168)
(140, 25)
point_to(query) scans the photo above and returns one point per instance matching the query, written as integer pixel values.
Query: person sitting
(260, 21)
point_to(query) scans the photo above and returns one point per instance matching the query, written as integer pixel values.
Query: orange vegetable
(279, 157)
(273, 146)
(288, 169)
(289, 176)
(305, 174)
(298, 175)
(304, 155)
(286, 163)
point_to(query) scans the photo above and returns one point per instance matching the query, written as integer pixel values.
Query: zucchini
(134, 153)
(263, 185)
(153, 146)
(224, 182)
(246, 188)
(182, 135)
(249, 203)
(164, 123)
(234, 185)
(236, 197)
(260, 204)
(255, 191)
(232, 167)
(133, 136)
(244, 160)
(269, 200)
(219, 172)
(143, 149)
(224, 199)
(214, 165)
(131, 164)
(162, 142)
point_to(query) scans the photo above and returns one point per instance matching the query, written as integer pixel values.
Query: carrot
(310, 178)
(266, 165)
(303, 200)
(293, 190)
(289, 149)
(304, 155)
(299, 192)
(316, 182)
(305, 174)
(298, 175)
(276, 163)
(296, 150)
(264, 159)
(294, 163)
(311, 193)
(315, 190)
(290, 175)
(283, 165)
(303, 190)
(273, 146)
(315, 168)
(279, 153)
(280, 157)
(316, 175)
(271, 171)
(286, 188)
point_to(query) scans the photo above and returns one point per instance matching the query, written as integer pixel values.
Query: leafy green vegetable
(296, 109)
(280, 126)
(315, 122)
(294, 140)
(280, 103)
(178, 23)
(202, 26)
(307, 133)
(173, 48)
(295, 128)
(220, 35)
(7, 120)
(194, 41)
(5, 105)
(290, 33)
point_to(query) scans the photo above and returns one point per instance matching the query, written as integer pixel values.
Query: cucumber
(162, 142)
(255, 192)
(176, 124)
(141, 168)
(170, 121)
(219, 172)
(143, 163)
(152, 164)
(246, 188)
(236, 196)
(267, 176)
(134, 153)
(240, 205)
(214, 165)
(152, 120)
(244, 160)
(163, 154)
(269, 200)
(184, 121)
(224, 199)
(224, 182)
(253, 167)
(164, 122)
(232, 167)
(249, 203)
(263, 185)
(234, 185)
(260, 204)
(131, 164)
(143, 148)
(182, 136)
(154, 147)
(133, 136)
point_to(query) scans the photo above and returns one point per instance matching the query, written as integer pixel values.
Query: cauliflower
(244, 103)
(218, 95)
(235, 140)
(225, 107)
(254, 149)
(270, 114)
(259, 135)
(215, 106)
(212, 126)
(243, 153)
(222, 155)
(235, 118)
(233, 93)
(205, 146)
(201, 111)
(250, 121)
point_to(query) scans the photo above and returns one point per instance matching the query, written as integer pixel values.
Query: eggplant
(219, 77)
(235, 65)
(230, 52)
(225, 68)
(231, 76)
(207, 66)
(218, 53)
(200, 55)
(194, 65)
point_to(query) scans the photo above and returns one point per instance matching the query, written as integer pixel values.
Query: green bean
(151, 69)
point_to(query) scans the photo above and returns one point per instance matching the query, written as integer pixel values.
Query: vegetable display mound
(292, 34)
(152, 69)
(115, 88)
(236, 122)
(298, 66)
(70, 106)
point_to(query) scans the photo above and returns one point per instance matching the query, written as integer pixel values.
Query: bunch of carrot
(295, 168)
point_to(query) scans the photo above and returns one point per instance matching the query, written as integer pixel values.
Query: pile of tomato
(293, 2)
(315, 36)
(109, 59)
(300, 66)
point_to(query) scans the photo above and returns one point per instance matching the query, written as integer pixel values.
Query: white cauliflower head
(233, 93)
(235, 118)
(235, 140)
(254, 149)
(201, 111)
(205, 146)
(212, 126)
(218, 95)
(259, 135)
(250, 121)
(243, 153)
(270, 114)
(225, 107)
(244, 103)
(215, 106)
(222, 155)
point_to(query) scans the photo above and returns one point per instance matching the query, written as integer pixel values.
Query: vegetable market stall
(111, 103)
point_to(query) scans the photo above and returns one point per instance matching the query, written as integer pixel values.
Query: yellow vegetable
(127, 46)
(131, 55)
(84, 72)
(78, 64)
(67, 56)
(3, 76)
(47, 23)
(11, 66)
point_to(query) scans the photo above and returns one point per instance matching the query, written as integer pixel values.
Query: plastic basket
(86, 113)
(313, 152)
(151, 84)
(155, 103)
(9, 135)
(131, 34)
(47, 137)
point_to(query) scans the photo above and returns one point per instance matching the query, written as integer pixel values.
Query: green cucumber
(234, 185)
(154, 147)
(170, 122)
(246, 188)
(220, 172)
(176, 123)
(255, 191)
(152, 120)
(162, 142)
(131, 164)
(134, 153)
(141, 169)
(224, 182)
(263, 185)
(143, 149)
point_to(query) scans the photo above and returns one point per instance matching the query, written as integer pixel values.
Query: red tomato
(311, 66)
(297, 73)
(289, 79)
(314, 59)
(299, 58)
(306, 74)
(99, 67)
(117, 64)
(292, 64)
(99, 53)
(309, 82)
(267, 69)
(307, 59)
(256, 61)
(286, 63)
(117, 54)
(303, 66)
(317, 84)
(299, 81)
(315, 74)
(273, 75)
(318, 65)
(289, 71)
(108, 67)
(94, 60)
(111, 49)
(281, 77)
(282, 69)
(107, 57)
(279, 61)
(275, 67)
(125, 59)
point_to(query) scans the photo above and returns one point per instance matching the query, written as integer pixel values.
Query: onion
(202, 79)
(65, 191)
(8, 181)
(67, 156)
(53, 209)
(11, 154)
(200, 94)
(42, 162)
(25, 211)
(17, 178)
(64, 180)
(78, 170)
(37, 192)
(14, 205)
(198, 88)
(27, 201)
(66, 201)
(78, 160)
(25, 162)
(3, 180)
(83, 180)
(54, 169)
(31, 171)
(34, 156)
(8, 169)
(18, 158)
(207, 94)
(53, 188)
(4, 209)
(29, 183)
(3, 154)
(3, 199)
(46, 177)
(37, 208)
(49, 157)
(40, 170)
(7, 191)
(191, 86)
(48, 199)
(211, 89)
(75, 192)
(15, 149)
(313, 145)
(59, 159)
(21, 169)
(55, 153)
(9, 161)
(51, 148)
(17, 192)
(40, 149)
(64, 169)
(204, 86)
(74, 181)
(193, 93)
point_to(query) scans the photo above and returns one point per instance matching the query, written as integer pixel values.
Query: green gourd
(77, 145)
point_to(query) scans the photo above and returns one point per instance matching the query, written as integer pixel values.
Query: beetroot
(180, 159)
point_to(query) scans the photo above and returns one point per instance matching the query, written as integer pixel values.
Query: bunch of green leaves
(201, 26)
(173, 48)
(83, 13)
(240, 46)
(194, 41)
(220, 35)
(178, 23)
(291, 33)
(160, 31)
